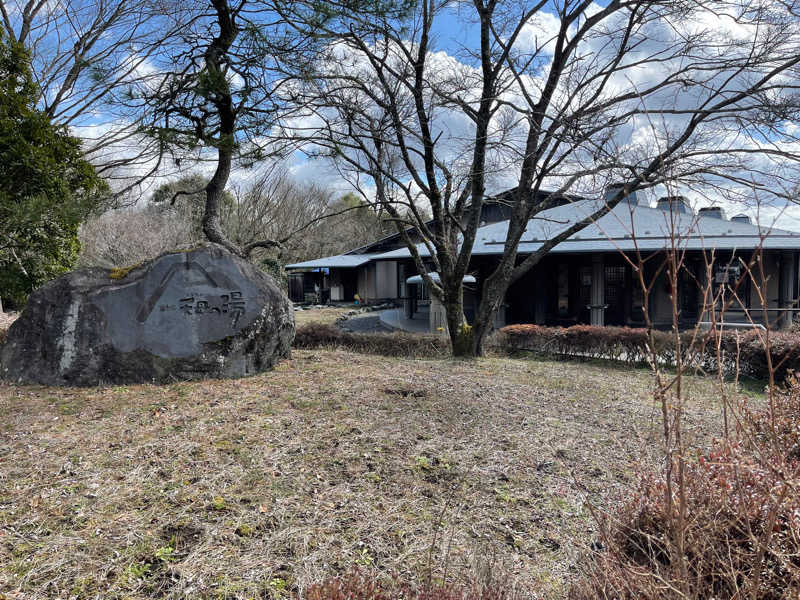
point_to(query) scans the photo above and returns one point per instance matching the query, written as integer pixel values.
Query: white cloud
(635, 141)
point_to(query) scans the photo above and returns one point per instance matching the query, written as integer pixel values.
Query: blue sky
(453, 30)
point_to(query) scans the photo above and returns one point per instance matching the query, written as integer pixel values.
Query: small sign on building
(727, 274)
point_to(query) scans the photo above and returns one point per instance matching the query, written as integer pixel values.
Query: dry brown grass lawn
(327, 315)
(254, 488)
(6, 319)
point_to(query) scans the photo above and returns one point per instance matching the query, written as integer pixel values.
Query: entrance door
(689, 294)
(614, 291)
(584, 295)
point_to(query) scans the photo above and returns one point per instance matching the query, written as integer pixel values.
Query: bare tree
(273, 205)
(215, 92)
(551, 93)
(307, 216)
(128, 236)
(83, 53)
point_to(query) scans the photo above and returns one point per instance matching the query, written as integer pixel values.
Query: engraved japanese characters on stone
(232, 303)
(183, 302)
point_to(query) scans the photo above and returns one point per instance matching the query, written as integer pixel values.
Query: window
(615, 280)
(730, 282)
(585, 276)
(615, 275)
(688, 291)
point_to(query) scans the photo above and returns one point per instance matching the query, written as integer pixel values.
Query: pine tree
(46, 187)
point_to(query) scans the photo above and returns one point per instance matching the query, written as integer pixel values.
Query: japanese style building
(590, 277)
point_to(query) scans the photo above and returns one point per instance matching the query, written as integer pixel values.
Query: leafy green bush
(46, 187)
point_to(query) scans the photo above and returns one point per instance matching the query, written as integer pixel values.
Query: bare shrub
(363, 586)
(724, 521)
(319, 335)
(743, 528)
(742, 353)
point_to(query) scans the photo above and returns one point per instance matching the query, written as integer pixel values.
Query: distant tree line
(269, 206)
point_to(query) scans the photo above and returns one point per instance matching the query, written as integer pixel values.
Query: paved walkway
(395, 318)
(364, 323)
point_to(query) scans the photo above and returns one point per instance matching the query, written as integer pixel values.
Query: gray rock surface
(184, 315)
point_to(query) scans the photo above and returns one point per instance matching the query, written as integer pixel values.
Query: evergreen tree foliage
(46, 187)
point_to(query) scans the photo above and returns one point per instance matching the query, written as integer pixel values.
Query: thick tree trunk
(212, 227)
(485, 317)
(461, 338)
(222, 99)
(492, 296)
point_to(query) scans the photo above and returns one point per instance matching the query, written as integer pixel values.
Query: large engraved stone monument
(184, 315)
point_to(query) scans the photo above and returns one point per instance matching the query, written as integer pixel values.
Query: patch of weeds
(223, 444)
(23, 549)
(423, 463)
(84, 586)
(245, 530)
(364, 558)
(279, 587)
(165, 554)
(68, 408)
(136, 571)
(433, 468)
(20, 566)
(148, 565)
(218, 503)
(504, 494)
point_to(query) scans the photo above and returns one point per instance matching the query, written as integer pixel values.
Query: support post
(598, 291)
(437, 317)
